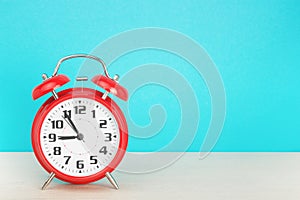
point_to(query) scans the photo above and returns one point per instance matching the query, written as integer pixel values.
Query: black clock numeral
(79, 164)
(103, 123)
(57, 124)
(94, 159)
(52, 137)
(94, 113)
(57, 151)
(80, 109)
(103, 150)
(68, 158)
(67, 113)
(108, 137)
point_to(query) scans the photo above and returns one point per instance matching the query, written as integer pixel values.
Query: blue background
(255, 45)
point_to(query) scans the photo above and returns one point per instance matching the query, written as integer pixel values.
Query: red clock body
(79, 136)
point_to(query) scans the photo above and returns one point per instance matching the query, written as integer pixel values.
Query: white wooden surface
(222, 176)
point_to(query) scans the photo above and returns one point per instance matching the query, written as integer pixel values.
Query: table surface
(219, 176)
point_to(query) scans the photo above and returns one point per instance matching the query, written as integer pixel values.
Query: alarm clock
(79, 135)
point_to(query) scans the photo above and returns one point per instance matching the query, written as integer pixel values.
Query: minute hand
(71, 124)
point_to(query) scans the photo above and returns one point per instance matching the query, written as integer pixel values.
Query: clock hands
(67, 137)
(72, 125)
(79, 135)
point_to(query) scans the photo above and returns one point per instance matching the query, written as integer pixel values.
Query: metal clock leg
(112, 180)
(52, 175)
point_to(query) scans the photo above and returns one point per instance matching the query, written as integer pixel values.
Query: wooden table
(220, 176)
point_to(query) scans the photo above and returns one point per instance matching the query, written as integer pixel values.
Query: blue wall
(255, 45)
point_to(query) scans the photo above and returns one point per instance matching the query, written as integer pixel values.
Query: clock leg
(112, 180)
(48, 180)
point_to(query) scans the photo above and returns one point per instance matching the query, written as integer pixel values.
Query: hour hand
(67, 137)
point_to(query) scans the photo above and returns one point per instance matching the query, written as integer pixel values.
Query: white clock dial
(79, 137)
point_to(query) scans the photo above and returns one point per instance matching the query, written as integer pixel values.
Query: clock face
(79, 137)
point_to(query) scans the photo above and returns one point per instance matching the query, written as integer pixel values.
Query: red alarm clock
(79, 135)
